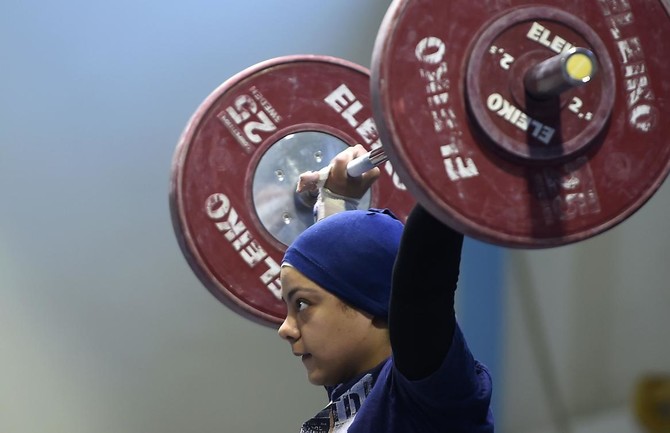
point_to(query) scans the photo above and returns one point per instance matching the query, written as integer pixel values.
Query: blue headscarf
(351, 255)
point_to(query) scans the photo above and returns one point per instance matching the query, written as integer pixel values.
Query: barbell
(521, 124)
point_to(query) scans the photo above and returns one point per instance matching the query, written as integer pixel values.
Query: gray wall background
(104, 328)
(584, 324)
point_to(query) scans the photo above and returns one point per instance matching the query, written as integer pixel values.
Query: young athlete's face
(336, 342)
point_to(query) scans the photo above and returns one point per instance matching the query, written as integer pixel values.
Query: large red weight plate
(481, 155)
(234, 172)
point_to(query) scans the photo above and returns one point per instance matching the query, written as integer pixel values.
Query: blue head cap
(351, 255)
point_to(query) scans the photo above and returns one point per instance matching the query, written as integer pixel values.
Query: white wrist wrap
(329, 203)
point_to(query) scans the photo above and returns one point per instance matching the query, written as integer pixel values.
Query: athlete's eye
(301, 304)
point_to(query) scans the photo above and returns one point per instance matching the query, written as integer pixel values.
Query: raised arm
(422, 318)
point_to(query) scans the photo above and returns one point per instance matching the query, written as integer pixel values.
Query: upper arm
(422, 317)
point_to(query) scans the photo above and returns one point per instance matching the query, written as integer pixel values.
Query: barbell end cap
(580, 65)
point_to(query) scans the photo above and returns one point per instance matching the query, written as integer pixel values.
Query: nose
(288, 330)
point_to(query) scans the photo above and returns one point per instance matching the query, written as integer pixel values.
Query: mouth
(304, 356)
(307, 361)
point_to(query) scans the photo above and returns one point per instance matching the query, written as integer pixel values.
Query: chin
(317, 380)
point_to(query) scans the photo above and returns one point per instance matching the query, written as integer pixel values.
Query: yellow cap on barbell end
(579, 67)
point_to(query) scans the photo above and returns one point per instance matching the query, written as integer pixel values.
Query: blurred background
(103, 326)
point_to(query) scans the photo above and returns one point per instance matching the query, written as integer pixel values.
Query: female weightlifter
(371, 315)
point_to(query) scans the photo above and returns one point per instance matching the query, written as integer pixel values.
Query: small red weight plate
(234, 172)
(471, 146)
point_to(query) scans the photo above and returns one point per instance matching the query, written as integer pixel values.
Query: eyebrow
(291, 293)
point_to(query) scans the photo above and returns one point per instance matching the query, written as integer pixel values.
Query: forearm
(422, 317)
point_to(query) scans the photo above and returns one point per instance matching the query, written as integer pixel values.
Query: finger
(307, 181)
(370, 176)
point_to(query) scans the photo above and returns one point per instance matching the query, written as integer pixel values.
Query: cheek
(323, 330)
(320, 328)
(341, 334)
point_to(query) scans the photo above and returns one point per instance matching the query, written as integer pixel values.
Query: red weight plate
(471, 146)
(541, 130)
(233, 202)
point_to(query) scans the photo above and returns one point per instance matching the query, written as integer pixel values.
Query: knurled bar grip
(366, 162)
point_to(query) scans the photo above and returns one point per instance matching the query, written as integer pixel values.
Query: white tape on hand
(329, 203)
